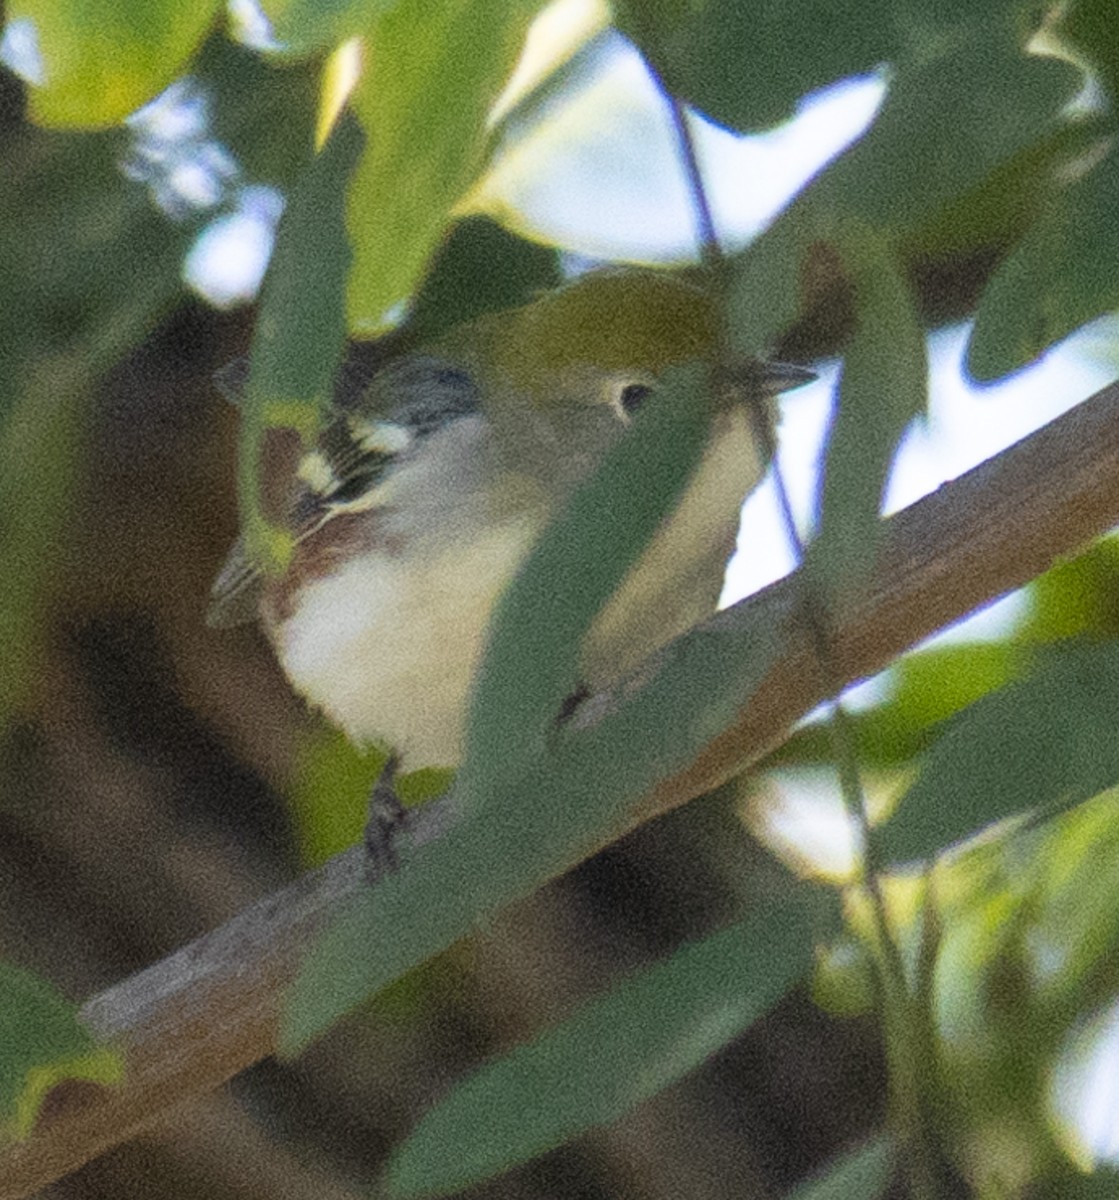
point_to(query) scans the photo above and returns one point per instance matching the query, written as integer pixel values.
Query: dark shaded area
(136, 703)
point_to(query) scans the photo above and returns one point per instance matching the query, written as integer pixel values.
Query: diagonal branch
(190, 1022)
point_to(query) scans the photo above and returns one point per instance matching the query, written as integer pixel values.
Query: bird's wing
(354, 452)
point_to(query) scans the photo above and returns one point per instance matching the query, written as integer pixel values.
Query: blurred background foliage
(156, 777)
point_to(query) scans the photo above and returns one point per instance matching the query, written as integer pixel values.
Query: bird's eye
(633, 396)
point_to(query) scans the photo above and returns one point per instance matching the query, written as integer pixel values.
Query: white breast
(387, 646)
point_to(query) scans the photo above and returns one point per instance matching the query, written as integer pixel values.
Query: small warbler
(419, 502)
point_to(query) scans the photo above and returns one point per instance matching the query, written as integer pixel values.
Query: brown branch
(190, 1022)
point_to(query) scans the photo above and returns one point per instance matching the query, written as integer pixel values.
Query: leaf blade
(1045, 742)
(614, 1052)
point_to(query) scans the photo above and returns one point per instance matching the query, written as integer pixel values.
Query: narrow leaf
(946, 124)
(616, 1051)
(300, 332)
(765, 293)
(1063, 273)
(479, 268)
(532, 660)
(433, 70)
(1090, 28)
(861, 1174)
(102, 59)
(305, 26)
(41, 1046)
(883, 386)
(746, 65)
(1045, 741)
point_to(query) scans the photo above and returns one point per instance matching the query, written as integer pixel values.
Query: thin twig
(709, 248)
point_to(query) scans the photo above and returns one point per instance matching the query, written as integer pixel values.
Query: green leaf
(1100, 1184)
(41, 1046)
(300, 332)
(86, 271)
(1069, 883)
(1090, 28)
(1074, 598)
(947, 123)
(261, 110)
(883, 386)
(948, 127)
(480, 268)
(747, 65)
(102, 59)
(861, 1174)
(333, 782)
(933, 685)
(39, 439)
(304, 26)
(926, 688)
(1045, 741)
(87, 268)
(1064, 272)
(1077, 596)
(330, 797)
(616, 1051)
(765, 289)
(554, 816)
(532, 662)
(845, 982)
(433, 70)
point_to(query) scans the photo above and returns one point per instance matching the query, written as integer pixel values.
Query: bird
(423, 495)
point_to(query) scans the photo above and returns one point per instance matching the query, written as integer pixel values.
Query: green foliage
(864, 1172)
(947, 124)
(260, 109)
(331, 796)
(300, 334)
(1089, 28)
(616, 1051)
(1026, 957)
(1077, 596)
(479, 268)
(792, 48)
(532, 663)
(881, 390)
(950, 123)
(304, 26)
(29, 450)
(1044, 740)
(1062, 274)
(434, 70)
(42, 1045)
(772, 268)
(64, 202)
(102, 60)
(975, 156)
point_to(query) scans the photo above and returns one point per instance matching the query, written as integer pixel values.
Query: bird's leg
(387, 818)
